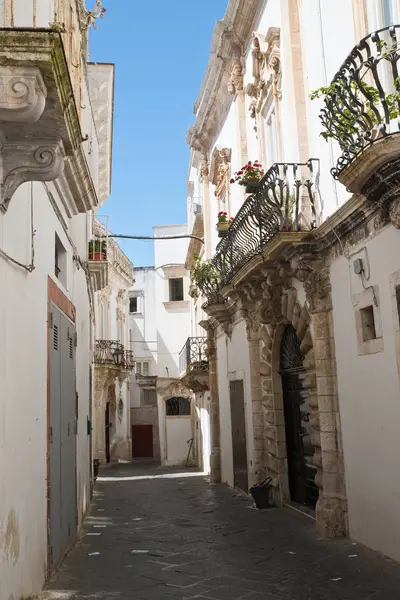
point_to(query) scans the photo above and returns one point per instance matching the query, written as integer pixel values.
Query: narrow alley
(154, 533)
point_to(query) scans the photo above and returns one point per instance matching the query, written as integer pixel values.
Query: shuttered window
(176, 289)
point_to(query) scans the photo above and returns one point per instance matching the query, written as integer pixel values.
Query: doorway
(298, 428)
(142, 441)
(62, 464)
(107, 432)
(239, 447)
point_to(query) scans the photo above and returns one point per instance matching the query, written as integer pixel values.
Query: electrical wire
(148, 237)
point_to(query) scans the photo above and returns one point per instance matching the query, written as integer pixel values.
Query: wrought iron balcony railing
(109, 352)
(129, 359)
(362, 104)
(193, 354)
(287, 199)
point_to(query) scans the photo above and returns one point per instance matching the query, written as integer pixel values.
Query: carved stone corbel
(27, 160)
(22, 94)
(316, 281)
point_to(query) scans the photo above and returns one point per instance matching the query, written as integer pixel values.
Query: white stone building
(113, 360)
(162, 410)
(55, 156)
(301, 294)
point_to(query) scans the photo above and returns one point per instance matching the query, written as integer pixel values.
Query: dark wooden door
(107, 432)
(142, 441)
(298, 428)
(239, 449)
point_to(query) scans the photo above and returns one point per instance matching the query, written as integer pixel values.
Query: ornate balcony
(362, 112)
(98, 263)
(109, 352)
(129, 360)
(286, 201)
(193, 363)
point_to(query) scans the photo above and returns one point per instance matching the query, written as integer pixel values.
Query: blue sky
(160, 50)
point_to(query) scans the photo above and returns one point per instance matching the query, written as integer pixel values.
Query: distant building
(162, 408)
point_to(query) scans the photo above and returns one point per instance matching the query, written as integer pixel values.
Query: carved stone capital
(22, 94)
(28, 160)
(394, 213)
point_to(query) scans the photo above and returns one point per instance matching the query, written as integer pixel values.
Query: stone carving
(122, 297)
(394, 213)
(175, 389)
(220, 170)
(235, 84)
(266, 57)
(22, 94)
(28, 160)
(314, 276)
(204, 168)
(120, 315)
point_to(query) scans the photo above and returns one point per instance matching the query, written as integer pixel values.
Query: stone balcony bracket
(40, 134)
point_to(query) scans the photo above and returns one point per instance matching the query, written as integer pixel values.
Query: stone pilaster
(331, 511)
(215, 475)
(104, 376)
(257, 472)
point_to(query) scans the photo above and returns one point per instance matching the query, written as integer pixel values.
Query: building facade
(299, 295)
(162, 408)
(113, 359)
(55, 157)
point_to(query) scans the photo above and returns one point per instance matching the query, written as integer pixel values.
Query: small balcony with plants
(284, 201)
(98, 262)
(193, 364)
(361, 110)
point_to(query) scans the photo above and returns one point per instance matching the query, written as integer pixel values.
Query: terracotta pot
(97, 256)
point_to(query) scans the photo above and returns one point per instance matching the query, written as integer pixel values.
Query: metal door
(142, 441)
(107, 432)
(298, 429)
(239, 447)
(63, 509)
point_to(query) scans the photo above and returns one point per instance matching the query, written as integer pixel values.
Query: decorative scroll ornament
(22, 94)
(266, 58)
(394, 213)
(28, 161)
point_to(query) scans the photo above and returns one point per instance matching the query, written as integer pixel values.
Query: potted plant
(250, 176)
(223, 223)
(96, 250)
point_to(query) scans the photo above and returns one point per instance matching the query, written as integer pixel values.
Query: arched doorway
(298, 428)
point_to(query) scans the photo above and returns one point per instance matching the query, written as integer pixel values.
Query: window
(149, 397)
(60, 261)
(368, 323)
(176, 289)
(133, 304)
(271, 138)
(177, 407)
(142, 368)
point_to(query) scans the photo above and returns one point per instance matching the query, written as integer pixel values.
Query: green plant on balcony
(355, 107)
(97, 249)
(204, 277)
(249, 175)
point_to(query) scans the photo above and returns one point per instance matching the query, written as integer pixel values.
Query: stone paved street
(178, 537)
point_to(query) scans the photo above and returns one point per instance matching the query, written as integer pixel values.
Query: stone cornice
(37, 104)
(230, 41)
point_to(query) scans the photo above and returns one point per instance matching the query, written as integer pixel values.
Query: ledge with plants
(223, 223)
(249, 176)
(205, 279)
(362, 104)
(97, 250)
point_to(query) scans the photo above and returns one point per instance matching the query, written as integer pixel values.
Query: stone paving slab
(155, 534)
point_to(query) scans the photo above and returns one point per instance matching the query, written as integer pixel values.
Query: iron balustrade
(129, 359)
(109, 352)
(287, 199)
(193, 353)
(363, 100)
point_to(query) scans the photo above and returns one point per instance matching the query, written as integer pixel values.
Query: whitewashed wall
(173, 319)
(369, 395)
(23, 399)
(233, 363)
